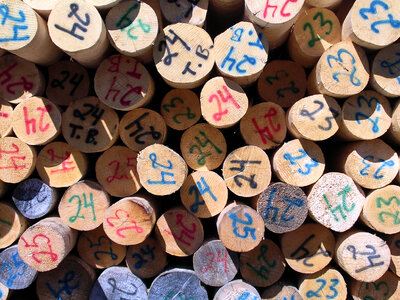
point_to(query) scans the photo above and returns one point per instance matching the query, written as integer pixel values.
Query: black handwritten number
(110, 252)
(143, 252)
(377, 286)
(74, 12)
(241, 168)
(93, 110)
(310, 115)
(371, 255)
(75, 81)
(168, 58)
(113, 283)
(68, 277)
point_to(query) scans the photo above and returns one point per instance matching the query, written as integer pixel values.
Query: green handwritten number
(395, 216)
(270, 80)
(322, 23)
(377, 287)
(172, 104)
(172, 295)
(86, 204)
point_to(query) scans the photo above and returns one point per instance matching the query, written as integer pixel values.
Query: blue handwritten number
(292, 202)
(245, 296)
(335, 282)
(376, 175)
(246, 229)
(373, 11)
(354, 80)
(303, 154)
(69, 276)
(5, 13)
(155, 165)
(98, 244)
(201, 189)
(358, 115)
(18, 262)
(74, 12)
(390, 66)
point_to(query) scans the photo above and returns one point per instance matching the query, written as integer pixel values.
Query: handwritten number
(373, 11)
(353, 79)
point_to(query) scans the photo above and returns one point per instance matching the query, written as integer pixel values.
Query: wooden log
(220, 90)
(309, 248)
(241, 53)
(60, 165)
(68, 81)
(314, 32)
(4, 292)
(43, 8)
(393, 241)
(146, 259)
(17, 160)
(72, 279)
(155, 5)
(236, 289)
(130, 220)
(281, 290)
(393, 133)
(325, 283)
(204, 194)
(6, 112)
(98, 250)
(264, 125)
(298, 162)
(188, 63)
(123, 83)
(362, 255)
(314, 118)
(177, 284)
(193, 12)
(76, 27)
(363, 23)
(117, 283)
(240, 228)
(104, 5)
(21, 79)
(132, 27)
(283, 82)
(282, 206)
(12, 225)
(36, 121)
(142, 127)
(180, 109)
(335, 201)
(117, 173)
(247, 171)
(83, 205)
(365, 116)
(25, 34)
(341, 71)
(179, 233)
(214, 264)
(45, 244)
(16, 274)
(372, 164)
(161, 170)
(90, 126)
(203, 147)
(330, 4)
(262, 266)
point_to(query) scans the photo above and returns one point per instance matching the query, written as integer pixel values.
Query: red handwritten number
(4, 115)
(218, 116)
(53, 256)
(117, 217)
(131, 162)
(266, 130)
(13, 158)
(207, 267)
(275, 7)
(65, 161)
(32, 122)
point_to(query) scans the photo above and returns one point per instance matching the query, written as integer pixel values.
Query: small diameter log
(214, 264)
(16, 274)
(365, 116)
(309, 248)
(372, 164)
(315, 31)
(203, 147)
(72, 279)
(192, 12)
(133, 27)
(237, 289)
(179, 233)
(241, 53)
(393, 133)
(372, 27)
(60, 165)
(117, 283)
(223, 102)
(314, 118)
(282, 206)
(4, 292)
(240, 228)
(142, 127)
(264, 125)
(146, 259)
(204, 194)
(335, 201)
(12, 225)
(90, 126)
(45, 244)
(98, 251)
(327, 283)
(247, 171)
(177, 284)
(161, 170)
(393, 241)
(330, 4)
(25, 34)
(180, 109)
(129, 221)
(341, 71)
(22, 79)
(68, 81)
(83, 205)
(43, 8)
(386, 287)
(104, 6)
(123, 83)
(36, 121)
(262, 266)
(117, 173)
(281, 290)
(283, 82)
(17, 160)
(299, 162)
(192, 58)
(362, 255)
(6, 112)
(381, 210)
(76, 27)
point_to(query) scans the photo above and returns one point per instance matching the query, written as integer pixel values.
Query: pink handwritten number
(41, 236)
(26, 85)
(209, 266)
(220, 97)
(275, 7)
(131, 162)
(185, 231)
(65, 161)
(117, 217)
(13, 159)
(32, 122)
(266, 130)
